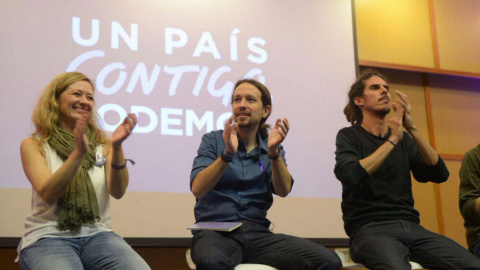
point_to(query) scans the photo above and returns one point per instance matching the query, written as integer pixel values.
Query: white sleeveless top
(42, 221)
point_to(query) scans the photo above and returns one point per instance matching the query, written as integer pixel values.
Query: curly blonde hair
(45, 116)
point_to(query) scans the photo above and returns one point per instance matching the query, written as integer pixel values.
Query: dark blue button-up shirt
(244, 192)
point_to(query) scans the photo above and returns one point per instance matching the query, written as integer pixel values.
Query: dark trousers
(476, 250)
(254, 243)
(391, 244)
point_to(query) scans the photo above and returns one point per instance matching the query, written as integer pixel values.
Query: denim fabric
(244, 191)
(105, 250)
(254, 243)
(391, 244)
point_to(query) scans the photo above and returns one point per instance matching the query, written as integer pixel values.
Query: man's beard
(246, 125)
(383, 111)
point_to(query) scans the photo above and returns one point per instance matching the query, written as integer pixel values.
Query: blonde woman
(73, 168)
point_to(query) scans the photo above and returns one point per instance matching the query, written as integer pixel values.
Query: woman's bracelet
(119, 167)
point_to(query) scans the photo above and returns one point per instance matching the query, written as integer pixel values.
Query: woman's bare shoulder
(32, 144)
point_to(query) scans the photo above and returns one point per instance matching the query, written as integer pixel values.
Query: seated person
(73, 169)
(233, 177)
(469, 198)
(374, 158)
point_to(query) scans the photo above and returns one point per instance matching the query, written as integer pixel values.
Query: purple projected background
(174, 63)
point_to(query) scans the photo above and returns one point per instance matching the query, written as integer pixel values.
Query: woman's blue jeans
(105, 250)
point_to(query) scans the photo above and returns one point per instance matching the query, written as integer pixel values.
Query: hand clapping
(278, 134)
(230, 135)
(124, 130)
(79, 132)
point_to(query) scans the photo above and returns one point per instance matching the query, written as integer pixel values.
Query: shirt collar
(263, 144)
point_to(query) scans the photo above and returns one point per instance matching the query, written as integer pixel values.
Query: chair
(243, 266)
(347, 262)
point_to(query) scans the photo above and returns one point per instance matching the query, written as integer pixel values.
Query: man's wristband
(226, 156)
(392, 142)
(274, 157)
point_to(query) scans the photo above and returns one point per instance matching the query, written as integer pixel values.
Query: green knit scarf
(78, 205)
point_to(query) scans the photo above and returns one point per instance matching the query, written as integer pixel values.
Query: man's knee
(331, 262)
(214, 259)
(390, 263)
(208, 263)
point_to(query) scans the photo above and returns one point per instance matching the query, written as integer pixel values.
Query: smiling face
(74, 102)
(247, 106)
(376, 97)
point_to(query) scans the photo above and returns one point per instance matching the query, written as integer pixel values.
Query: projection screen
(174, 63)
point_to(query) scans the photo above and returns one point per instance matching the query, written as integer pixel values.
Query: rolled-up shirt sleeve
(207, 153)
(421, 171)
